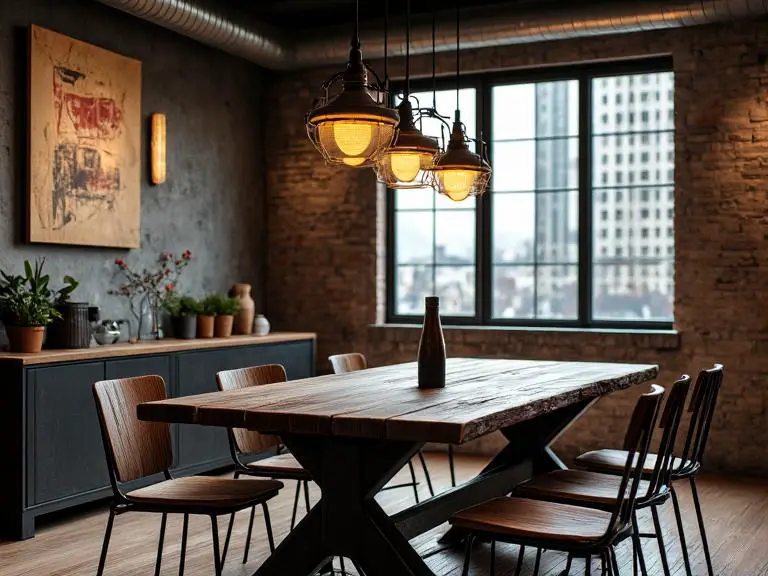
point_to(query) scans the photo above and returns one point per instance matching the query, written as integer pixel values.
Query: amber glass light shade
(352, 129)
(158, 149)
(409, 161)
(460, 173)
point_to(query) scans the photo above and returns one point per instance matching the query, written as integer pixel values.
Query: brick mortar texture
(325, 235)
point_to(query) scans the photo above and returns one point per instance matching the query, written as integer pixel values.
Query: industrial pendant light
(410, 159)
(460, 173)
(352, 128)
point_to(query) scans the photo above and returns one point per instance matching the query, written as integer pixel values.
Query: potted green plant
(183, 312)
(225, 308)
(26, 307)
(206, 315)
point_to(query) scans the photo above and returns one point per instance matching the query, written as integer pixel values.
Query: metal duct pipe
(499, 25)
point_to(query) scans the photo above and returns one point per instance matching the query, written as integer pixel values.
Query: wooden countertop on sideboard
(151, 347)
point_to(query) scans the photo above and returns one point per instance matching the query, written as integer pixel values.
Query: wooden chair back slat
(342, 363)
(636, 443)
(248, 441)
(702, 409)
(135, 449)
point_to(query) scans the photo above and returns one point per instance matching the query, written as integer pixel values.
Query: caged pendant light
(459, 172)
(352, 127)
(410, 159)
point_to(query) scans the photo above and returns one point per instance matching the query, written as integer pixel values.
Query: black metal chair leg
(227, 538)
(413, 479)
(681, 532)
(306, 495)
(614, 562)
(568, 563)
(538, 562)
(215, 537)
(660, 540)
(105, 545)
(160, 541)
(470, 541)
(268, 524)
(588, 566)
(638, 544)
(520, 558)
(426, 473)
(247, 538)
(451, 465)
(296, 503)
(493, 558)
(184, 530)
(702, 531)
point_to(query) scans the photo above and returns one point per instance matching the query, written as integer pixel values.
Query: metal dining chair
(246, 443)
(599, 490)
(353, 361)
(580, 531)
(136, 449)
(687, 465)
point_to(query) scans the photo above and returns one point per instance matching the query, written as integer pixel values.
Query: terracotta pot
(223, 326)
(205, 326)
(244, 319)
(27, 339)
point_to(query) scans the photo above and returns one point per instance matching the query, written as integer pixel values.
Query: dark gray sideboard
(50, 442)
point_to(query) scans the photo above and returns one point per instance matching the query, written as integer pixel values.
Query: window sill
(641, 338)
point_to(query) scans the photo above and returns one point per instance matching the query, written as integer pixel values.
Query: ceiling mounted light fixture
(353, 126)
(410, 159)
(461, 173)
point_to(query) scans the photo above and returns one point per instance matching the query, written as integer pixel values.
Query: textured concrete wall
(325, 237)
(212, 202)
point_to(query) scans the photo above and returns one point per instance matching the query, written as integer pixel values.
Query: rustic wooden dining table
(353, 432)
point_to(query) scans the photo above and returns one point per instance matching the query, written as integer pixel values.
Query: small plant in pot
(226, 308)
(206, 314)
(26, 307)
(183, 312)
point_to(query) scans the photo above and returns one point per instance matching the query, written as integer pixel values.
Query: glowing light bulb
(352, 138)
(405, 165)
(457, 184)
(353, 161)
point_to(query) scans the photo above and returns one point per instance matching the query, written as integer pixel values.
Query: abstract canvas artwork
(84, 144)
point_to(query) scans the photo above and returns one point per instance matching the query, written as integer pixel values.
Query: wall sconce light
(158, 148)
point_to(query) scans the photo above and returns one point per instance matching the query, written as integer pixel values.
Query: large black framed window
(577, 229)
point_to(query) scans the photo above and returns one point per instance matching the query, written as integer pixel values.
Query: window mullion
(585, 200)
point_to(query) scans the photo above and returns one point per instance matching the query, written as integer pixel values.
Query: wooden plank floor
(736, 512)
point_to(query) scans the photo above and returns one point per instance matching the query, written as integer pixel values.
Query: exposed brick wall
(325, 236)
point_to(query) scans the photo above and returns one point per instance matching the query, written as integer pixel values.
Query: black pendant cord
(386, 46)
(356, 39)
(458, 11)
(407, 49)
(434, 57)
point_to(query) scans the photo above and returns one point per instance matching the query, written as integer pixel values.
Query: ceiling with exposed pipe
(286, 46)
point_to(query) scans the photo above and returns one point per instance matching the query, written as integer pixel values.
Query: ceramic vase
(244, 320)
(185, 327)
(261, 326)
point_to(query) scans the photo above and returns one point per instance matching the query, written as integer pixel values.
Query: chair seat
(277, 466)
(576, 486)
(614, 461)
(535, 519)
(205, 492)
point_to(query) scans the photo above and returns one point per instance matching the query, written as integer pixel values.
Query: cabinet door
(201, 447)
(66, 456)
(296, 357)
(148, 366)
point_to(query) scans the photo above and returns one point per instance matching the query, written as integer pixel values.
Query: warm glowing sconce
(158, 148)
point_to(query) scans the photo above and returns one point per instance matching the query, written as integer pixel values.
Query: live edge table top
(480, 397)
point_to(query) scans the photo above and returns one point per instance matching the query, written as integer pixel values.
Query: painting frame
(84, 156)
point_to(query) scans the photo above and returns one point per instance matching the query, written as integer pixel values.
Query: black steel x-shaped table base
(348, 522)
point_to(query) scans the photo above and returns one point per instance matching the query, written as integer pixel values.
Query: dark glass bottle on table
(431, 358)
